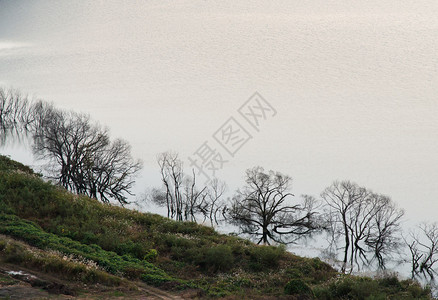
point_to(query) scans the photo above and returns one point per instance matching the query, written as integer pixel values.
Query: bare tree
(82, 157)
(415, 255)
(14, 109)
(15, 114)
(181, 196)
(194, 199)
(366, 222)
(263, 209)
(423, 247)
(340, 197)
(172, 176)
(214, 204)
(383, 235)
(112, 172)
(68, 141)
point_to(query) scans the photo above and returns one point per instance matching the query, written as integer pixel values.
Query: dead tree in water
(16, 114)
(423, 248)
(263, 209)
(367, 223)
(181, 195)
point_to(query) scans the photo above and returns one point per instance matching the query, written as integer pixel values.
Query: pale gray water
(355, 83)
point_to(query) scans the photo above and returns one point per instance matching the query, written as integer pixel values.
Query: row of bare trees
(181, 195)
(79, 153)
(366, 228)
(262, 209)
(362, 226)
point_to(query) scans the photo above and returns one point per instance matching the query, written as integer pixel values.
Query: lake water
(354, 83)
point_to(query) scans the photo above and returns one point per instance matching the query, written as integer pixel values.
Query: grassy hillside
(113, 246)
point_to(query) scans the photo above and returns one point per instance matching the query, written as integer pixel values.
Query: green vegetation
(350, 287)
(297, 287)
(109, 261)
(55, 262)
(7, 164)
(121, 243)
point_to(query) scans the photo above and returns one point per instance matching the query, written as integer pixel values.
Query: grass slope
(169, 254)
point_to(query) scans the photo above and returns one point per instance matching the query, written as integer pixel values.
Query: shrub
(7, 164)
(351, 287)
(151, 255)
(391, 282)
(293, 273)
(415, 290)
(263, 257)
(219, 258)
(297, 287)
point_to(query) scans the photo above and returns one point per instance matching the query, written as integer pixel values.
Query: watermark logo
(256, 110)
(207, 160)
(231, 136)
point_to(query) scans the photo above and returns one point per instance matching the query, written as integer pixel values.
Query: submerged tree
(264, 210)
(423, 248)
(172, 176)
(16, 115)
(366, 222)
(194, 200)
(214, 205)
(383, 234)
(182, 196)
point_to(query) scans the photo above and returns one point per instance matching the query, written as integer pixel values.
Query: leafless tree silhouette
(80, 154)
(16, 115)
(215, 206)
(82, 157)
(180, 194)
(423, 248)
(366, 222)
(264, 210)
